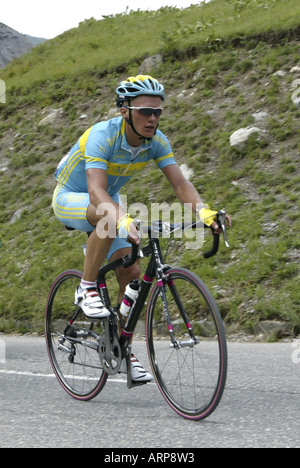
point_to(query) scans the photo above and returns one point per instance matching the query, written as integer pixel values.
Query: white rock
(296, 92)
(296, 99)
(113, 112)
(51, 117)
(149, 64)
(187, 171)
(239, 138)
(260, 116)
(16, 216)
(279, 73)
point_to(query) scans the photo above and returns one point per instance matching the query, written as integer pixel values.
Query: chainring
(110, 354)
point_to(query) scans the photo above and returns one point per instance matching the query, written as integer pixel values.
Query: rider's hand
(217, 229)
(127, 229)
(134, 235)
(209, 218)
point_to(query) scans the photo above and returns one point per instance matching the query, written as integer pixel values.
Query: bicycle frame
(154, 265)
(155, 269)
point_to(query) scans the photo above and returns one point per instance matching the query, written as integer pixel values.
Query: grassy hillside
(220, 66)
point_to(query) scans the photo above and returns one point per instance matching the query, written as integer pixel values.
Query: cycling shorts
(71, 207)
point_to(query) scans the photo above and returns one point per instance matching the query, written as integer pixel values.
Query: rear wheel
(190, 370)
(72, 341)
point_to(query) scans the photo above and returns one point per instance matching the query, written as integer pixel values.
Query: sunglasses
(147, 111)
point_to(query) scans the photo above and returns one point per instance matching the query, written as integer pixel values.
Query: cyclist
(90, 177)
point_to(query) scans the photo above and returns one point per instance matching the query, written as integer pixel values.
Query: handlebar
(159, 228)
(221, 216)
(135, 250)
(215, 247)
(132, 258)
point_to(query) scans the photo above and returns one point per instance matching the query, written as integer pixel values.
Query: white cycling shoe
(90, 303)
(138, 373)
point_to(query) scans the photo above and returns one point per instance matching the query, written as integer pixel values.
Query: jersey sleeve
(162, 150)
(94, 149)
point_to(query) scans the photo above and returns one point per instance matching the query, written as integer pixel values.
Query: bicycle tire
(76, 364)
(191, 378)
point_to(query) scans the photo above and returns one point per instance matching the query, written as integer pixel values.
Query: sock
(88, 284)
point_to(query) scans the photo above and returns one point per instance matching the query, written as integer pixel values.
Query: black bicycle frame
(153, 249)
(155, 264)
(155, 267)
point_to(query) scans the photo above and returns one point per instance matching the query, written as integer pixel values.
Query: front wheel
(72, 341)
(187, 351)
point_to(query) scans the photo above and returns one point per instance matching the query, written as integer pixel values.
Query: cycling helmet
(138, 86)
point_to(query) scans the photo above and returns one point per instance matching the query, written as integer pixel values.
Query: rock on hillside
(14, 44)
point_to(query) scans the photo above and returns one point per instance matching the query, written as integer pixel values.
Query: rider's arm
(185, 190)
(97, 187)
(104, 204)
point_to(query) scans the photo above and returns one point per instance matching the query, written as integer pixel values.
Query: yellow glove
(206, 215)
(123, 225)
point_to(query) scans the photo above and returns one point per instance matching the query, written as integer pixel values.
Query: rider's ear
(124, 113)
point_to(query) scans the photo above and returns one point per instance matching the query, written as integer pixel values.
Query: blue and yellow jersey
(104, 146)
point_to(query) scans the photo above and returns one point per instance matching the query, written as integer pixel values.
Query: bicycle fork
(193, 340)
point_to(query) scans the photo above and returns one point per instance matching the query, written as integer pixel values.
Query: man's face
(144, 125)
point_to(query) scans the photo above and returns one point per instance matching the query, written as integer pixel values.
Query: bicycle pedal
(137, 384)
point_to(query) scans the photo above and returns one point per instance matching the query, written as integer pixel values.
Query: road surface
(259, 408)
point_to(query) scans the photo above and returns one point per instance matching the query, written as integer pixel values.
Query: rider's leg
(75, 211)
(97, 247)
(113, 249)
(96, 251)
(124, 276)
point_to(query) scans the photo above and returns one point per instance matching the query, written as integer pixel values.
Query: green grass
(116, 41)
(218, 70)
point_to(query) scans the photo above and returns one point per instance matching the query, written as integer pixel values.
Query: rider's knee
(126, 275)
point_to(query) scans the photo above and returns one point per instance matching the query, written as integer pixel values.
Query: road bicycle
(185, 336)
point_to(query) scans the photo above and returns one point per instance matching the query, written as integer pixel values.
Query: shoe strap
(133, 358)
(92, 292)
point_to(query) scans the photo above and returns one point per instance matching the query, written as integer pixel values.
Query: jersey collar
(146, 144)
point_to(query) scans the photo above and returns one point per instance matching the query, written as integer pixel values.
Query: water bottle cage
(128, 300)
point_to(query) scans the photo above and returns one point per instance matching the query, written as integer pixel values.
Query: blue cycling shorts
(71, 207)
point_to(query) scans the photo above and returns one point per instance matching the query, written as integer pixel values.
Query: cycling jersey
(104, 146)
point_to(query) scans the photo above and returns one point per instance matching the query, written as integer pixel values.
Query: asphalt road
(259, 408)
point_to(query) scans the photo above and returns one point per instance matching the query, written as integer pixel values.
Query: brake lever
(221, 218)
